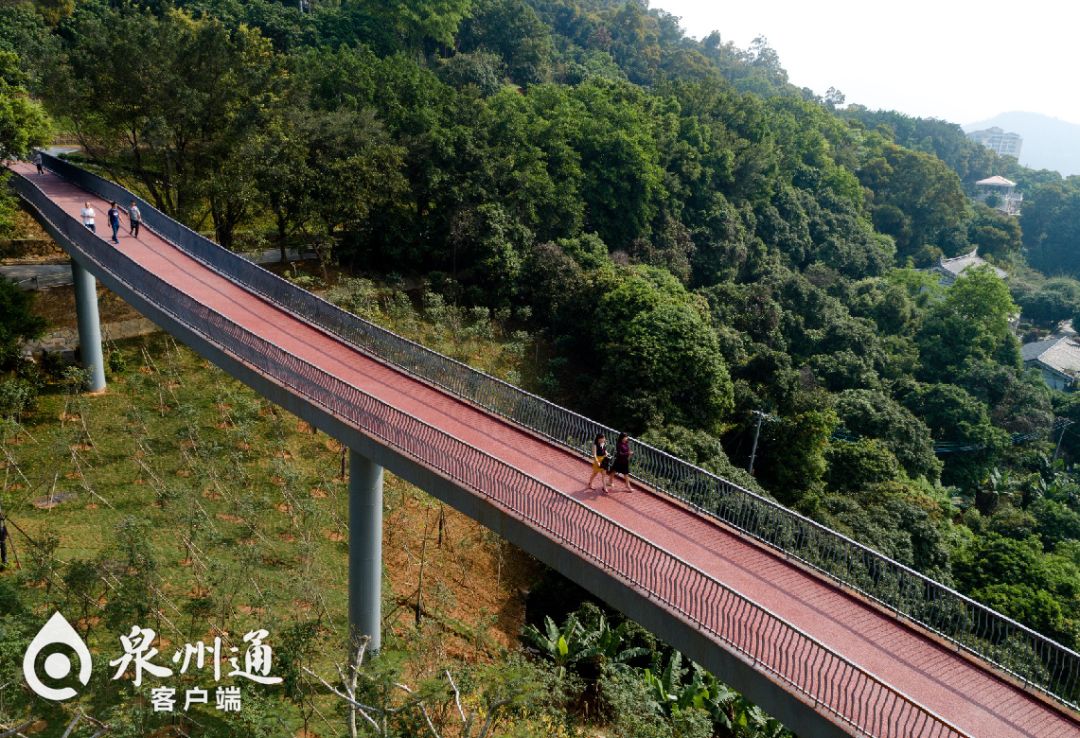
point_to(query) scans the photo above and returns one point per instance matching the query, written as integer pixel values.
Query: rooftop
(1035, 349)
(996, 181)
(1060, 353)
(957, 265)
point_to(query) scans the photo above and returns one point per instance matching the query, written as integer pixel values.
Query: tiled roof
(1060, 353)
(1032, 351)
(958, 264)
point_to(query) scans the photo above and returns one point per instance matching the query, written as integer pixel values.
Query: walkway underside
(973, 698)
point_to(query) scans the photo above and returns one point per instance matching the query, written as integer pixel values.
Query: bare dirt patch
(474, 583)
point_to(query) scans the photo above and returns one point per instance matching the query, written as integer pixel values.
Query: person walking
(601, 461)
(114, 221)
(136, 218)
(38, 163)
(622, 461)
(88, 216)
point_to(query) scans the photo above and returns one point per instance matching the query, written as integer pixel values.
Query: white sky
(959, 60)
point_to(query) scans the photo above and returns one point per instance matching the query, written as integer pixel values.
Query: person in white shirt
(136, 218)
(88, 216)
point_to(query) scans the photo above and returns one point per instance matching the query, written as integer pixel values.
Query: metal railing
(1010, 646)
(828, 681)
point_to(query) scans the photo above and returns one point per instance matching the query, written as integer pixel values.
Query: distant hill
(1049, 143)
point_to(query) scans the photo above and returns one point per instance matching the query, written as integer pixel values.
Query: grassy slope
(245, 507)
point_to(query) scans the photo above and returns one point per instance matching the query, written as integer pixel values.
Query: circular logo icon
(57, 631)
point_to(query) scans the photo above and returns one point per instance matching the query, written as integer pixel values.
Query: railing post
(86, 311)
(365, 549)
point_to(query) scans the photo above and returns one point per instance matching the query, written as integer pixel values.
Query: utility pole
(1061, 437)
(757, 432)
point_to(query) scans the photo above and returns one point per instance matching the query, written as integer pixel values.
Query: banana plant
(741, 719)
(612, 644)
(564, 646)
(665, 683)
(728, 709)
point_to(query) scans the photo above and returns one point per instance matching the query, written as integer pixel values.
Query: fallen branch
(17, 731)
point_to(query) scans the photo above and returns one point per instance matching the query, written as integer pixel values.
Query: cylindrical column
(365, 549)
(86, 311)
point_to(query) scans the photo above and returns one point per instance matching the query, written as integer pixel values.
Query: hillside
(1049, 143)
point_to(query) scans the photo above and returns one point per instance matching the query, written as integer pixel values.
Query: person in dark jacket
(621, 464)
(114, 221)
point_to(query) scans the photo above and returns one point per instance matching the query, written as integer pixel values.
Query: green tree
(1068, 407)
(482, 69)
(513, 30)
(996, 234)
(1036, 608)
(858, 465)
(956, 417)
(565, 646)
(701, 449)
(18, 322)
(947, 141)
(23, 125)
(994, 558)
(658, 355)
(25, 33)
(793, 449)
(618, 139)
(636, 713)
(1055, 300)
(54, 11)
(915, 198)
(901, 519)
(17, 629)
(1019, 402)
(555, 285)
(299, 649)
(283, 176)
(1051, 227)
(352, 169)
(970, 324)
(874, 414)
(417, 21)
(1057, 522)
(171, 101)
(23, 122)
(1013, 577)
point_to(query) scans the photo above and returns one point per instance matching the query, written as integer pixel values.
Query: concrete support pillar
(86, 310)
(365, 549)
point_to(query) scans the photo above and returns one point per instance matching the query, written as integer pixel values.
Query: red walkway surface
(970, 697)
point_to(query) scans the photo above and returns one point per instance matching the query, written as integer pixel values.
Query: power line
(955, 447)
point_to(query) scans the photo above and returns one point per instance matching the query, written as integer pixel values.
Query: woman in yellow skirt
(601, 461)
